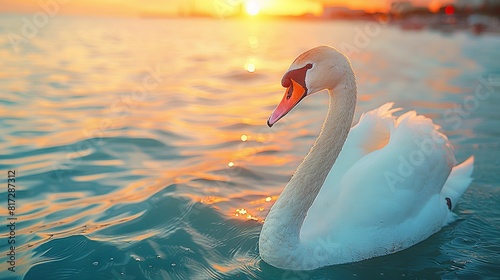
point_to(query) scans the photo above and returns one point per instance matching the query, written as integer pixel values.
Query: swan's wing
(389, 184)
(396, 182)
(372, 132)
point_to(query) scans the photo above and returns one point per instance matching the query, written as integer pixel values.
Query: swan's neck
(280, 234)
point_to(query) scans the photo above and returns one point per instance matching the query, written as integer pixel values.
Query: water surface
(142, 151)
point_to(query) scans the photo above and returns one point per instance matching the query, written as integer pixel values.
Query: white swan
(394, 182)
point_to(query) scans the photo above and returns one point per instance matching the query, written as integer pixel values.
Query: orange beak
(293, 95)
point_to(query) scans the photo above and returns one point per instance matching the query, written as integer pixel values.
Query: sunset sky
(182, 7)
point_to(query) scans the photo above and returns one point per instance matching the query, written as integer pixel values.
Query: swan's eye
(309, 66)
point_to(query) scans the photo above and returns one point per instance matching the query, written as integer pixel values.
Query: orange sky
(173, 7)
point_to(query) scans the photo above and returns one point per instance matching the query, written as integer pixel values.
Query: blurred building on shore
(478, 16)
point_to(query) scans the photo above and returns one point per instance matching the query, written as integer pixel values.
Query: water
(141, 148)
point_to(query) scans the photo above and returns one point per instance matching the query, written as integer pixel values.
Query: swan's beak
(293, 95)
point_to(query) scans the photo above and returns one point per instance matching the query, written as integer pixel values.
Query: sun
(252, 7)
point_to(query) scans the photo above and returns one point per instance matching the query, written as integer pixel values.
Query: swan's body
(378, 188)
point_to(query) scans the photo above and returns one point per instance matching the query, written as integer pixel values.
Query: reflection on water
(142, 147)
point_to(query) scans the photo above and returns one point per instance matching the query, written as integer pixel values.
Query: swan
(374, 189)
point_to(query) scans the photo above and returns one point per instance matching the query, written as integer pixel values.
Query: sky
(183, 7)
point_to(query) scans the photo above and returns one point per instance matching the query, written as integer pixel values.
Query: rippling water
(141, 148)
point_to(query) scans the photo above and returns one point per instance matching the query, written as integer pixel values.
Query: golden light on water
(256, 206)
(250, 67)
(243, 213)
(253, 41)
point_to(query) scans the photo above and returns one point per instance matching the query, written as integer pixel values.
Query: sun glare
(252, 7)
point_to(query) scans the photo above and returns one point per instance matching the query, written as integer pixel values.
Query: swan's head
(315, 70)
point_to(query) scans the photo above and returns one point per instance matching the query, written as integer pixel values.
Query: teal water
(141, 148)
